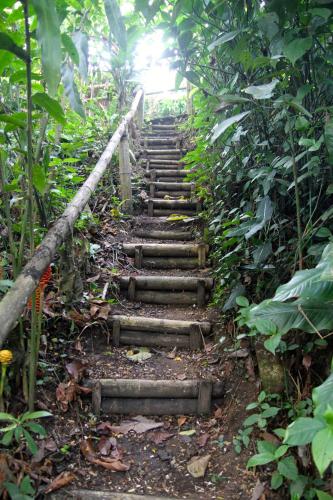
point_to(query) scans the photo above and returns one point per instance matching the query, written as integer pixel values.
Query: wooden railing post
(140, 112)
(125, 174)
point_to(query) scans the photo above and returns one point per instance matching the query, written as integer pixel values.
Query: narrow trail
(181, 381)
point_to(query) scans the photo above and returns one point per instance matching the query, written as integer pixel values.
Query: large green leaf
(50, 105)
(306, 315)
(17, 119)
(314, 283)
(323, 396)
(39, 179)
(81, 43)
(262, 91)
(328, 134)
(302, 431)
(116, 23)
(6, 43)
(226, 37)
(322, 449)
(297, 48)
(71, 90)
(70, 48)
(225, 124)
(48, 34)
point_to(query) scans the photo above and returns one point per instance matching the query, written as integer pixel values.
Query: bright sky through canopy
(152, 70)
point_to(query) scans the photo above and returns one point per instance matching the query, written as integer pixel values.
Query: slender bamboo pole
(13, 303)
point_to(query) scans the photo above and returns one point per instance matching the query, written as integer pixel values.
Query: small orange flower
(45, 277)
(39, 292)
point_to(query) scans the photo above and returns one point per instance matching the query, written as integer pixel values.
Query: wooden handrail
(14, 302)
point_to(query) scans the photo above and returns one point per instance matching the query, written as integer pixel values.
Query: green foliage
(48, 34)
(22, 427)
(310, 312)
(23, 491)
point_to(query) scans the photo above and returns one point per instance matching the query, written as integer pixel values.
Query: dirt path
(159, 459)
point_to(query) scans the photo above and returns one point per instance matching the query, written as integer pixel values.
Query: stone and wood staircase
(170, 277)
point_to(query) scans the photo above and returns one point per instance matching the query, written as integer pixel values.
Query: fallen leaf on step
(197, 466)
(172, 354)
(190, 432)
(267, 436)
(249, 365)
(181, 421)
(181, 376)
(202, 440)
(87, 450)
(258, 490)
(240, 353)
(76, 369)
(218, 413)
(67, 393)
(138, 355)
(138, 424)
(105, 444)
(306, 361)
(159, 437)
(60, 481)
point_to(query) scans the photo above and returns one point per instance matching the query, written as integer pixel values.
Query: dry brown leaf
(307, 361)
(258, 490)
(138, 424)
(67, 392)
(249, 365)
(76, 369)
(160, 436)
(105, 444)
(104, 312)
(197, 466)
(60, 481)
(181, 376)
(267, 436)
(218, 413)
(202, 440)
(113, 464)
(181, 421)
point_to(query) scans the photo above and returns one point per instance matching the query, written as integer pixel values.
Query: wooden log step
(155, 397)
(145, 388)
(138, 330)
(165, 151)
(165, 212)
(172, 186)
(172, 195)
(172, 326)
(150, 339)
(158, 126)
(80, 494)
(170, 179)
(164, 235)
(159, 140)
(152, 167)
(166, 249)
(165, 162)
(162, 135)
(169, 263)
(170, 283)
(170, 173)
(172, 204)
(155, 158)
(167, 298)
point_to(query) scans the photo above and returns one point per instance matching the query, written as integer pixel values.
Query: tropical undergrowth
(262, 132)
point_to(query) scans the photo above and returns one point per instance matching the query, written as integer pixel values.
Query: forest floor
(157, 458)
